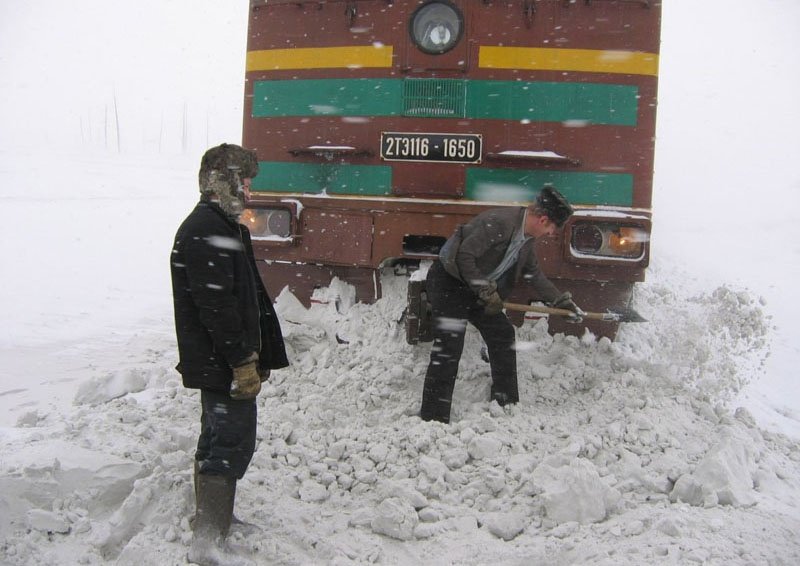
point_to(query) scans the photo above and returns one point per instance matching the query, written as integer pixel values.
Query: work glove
(492, 303)
(564, 301)
(246, 382)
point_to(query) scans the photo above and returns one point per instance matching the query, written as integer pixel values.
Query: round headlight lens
(436, 27)
(280, 223)
(586, 238)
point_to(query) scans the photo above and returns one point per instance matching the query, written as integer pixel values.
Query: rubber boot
(236, 524)
(215, 496)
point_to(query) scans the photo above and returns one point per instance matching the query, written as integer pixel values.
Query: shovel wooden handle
(607, 316)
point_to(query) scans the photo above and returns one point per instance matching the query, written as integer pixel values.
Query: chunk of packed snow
(573, 491)
(110, 386)
(395, 518)
(504, 525)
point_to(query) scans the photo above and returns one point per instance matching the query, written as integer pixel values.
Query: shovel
(417, 316)
(616, 315)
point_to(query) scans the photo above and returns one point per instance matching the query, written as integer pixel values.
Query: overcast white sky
(728, 113)
(61, 64)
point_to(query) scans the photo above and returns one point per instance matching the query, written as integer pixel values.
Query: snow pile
(623, 452)
(725, 475)
(113, 385)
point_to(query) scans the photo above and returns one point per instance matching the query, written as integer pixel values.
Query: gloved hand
(564, 301)
(246, 382)
(263, 374)
(492, 302)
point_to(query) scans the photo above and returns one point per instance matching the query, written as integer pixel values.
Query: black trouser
(453, 304)
(227, 435)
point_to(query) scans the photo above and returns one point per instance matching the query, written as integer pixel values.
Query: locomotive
(381, 125)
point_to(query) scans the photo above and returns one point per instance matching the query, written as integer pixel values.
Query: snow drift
(619, 452)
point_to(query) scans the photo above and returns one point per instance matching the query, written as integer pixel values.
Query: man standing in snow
(477, 268)
(229, 338)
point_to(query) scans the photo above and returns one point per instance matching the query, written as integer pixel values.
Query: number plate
(442, 148)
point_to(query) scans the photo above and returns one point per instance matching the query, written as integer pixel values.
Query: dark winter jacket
(223, 314)
(478, 247)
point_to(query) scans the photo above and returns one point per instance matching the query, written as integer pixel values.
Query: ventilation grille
(434, 98)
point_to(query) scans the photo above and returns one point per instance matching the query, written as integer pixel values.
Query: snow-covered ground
(678, 443)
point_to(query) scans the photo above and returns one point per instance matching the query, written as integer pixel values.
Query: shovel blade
(626, 314)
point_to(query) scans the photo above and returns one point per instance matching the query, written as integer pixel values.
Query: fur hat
(227, 160)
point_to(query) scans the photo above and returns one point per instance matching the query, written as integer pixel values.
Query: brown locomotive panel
(410, 207)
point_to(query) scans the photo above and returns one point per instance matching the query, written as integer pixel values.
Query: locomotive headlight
(627, 241)
(267, 223)
(607, 240)
(587, 238)
(436, 27)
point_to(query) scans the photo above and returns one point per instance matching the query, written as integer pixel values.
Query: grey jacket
(478, 247)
